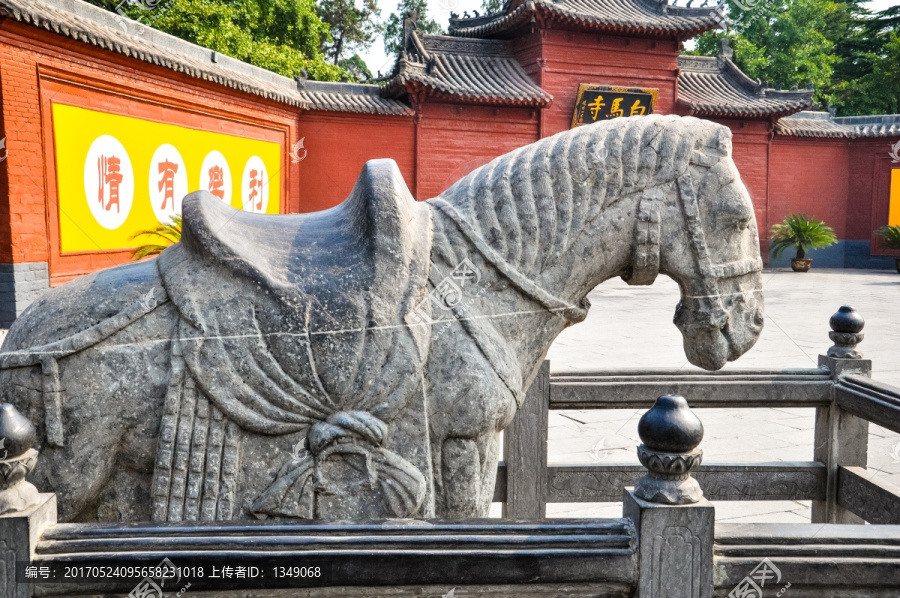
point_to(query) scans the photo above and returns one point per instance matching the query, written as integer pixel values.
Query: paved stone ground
(631, 327)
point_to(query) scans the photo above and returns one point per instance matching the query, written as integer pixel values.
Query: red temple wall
(455, 139)
(870, 166)
(839, 181)
(811, 176)
(338, 145)
(570, 58)
(29, 59)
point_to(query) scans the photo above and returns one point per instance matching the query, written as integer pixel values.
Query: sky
(440, 10)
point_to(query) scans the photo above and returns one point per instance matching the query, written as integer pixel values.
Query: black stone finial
(846, 332)
(17, 459)
(671, 434)
(16, 433)
(670, 426)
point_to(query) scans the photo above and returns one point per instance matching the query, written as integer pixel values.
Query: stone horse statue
(360, 362)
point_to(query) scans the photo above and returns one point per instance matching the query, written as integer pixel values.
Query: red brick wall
(338, 145)
(34, 64)
(568, 58)
(455, 139)
(868, 188)
(811, 176)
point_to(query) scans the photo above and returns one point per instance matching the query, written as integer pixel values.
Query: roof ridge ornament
(725, 49)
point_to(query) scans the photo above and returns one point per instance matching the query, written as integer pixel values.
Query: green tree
(284, 36)
(780, 41)
(161, 237)
(492, 6)
(353, 27)
(393, 30)
(356, 67)
(867, 79)
(851, 56)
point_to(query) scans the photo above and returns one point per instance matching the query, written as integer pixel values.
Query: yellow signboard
(117, 175)
(894, 209)
(602, 102)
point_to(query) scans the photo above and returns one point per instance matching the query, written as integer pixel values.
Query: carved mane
(521, 205)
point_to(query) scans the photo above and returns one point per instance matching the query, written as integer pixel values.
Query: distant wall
(455, 139)
(567, 58)
(335, 148)
(39, 68)
(844, 182)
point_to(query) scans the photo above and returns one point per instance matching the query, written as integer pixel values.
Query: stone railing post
(525, 452)
(675, 525)
(841, 438)
(24, 513)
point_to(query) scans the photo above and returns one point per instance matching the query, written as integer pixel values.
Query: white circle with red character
(168, 183)
(108, 182)
(255, 186)
(215, 176)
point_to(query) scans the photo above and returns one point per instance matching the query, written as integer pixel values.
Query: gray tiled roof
(648, 17)
(473, 70)
(93, 25)
(823, 125)
(715, 86)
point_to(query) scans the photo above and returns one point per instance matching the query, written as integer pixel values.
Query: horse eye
(743, 223)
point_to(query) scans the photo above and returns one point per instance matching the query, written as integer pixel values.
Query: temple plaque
(602, 102)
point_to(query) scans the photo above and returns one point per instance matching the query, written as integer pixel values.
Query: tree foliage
(779, 41)
(891, 236)
(353, 26)
(356, 67)
(492, 6)
(849, 55)
(284, 36)
(393, 30)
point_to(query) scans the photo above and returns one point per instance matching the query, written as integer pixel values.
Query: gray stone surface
(675, 547)
(19, 534)
(362, 361)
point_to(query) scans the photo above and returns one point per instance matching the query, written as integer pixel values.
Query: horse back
(77, 305)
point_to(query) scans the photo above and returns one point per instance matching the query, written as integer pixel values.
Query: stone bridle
(645, 263)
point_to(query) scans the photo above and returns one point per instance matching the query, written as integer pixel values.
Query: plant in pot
(891, 236)
(800, 232)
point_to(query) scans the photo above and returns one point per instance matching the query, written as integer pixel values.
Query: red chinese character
(217, 182)
(167, 182)
(256, 184)
(109, 170)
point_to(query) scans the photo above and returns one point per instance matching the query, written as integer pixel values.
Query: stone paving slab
(631, 327)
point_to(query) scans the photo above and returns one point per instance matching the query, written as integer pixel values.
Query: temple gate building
(106, 124)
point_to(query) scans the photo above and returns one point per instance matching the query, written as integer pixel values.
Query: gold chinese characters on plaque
(602, 102)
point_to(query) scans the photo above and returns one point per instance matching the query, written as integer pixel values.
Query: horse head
(700, 230)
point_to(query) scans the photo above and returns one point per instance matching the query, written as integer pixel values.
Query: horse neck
(545, 269)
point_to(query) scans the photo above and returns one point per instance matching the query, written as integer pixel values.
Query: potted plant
(891, 236)
(801, 232)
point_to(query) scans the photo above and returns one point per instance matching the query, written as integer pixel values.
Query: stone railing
(666, 544)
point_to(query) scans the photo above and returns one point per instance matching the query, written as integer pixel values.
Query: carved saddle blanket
(297, 325)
